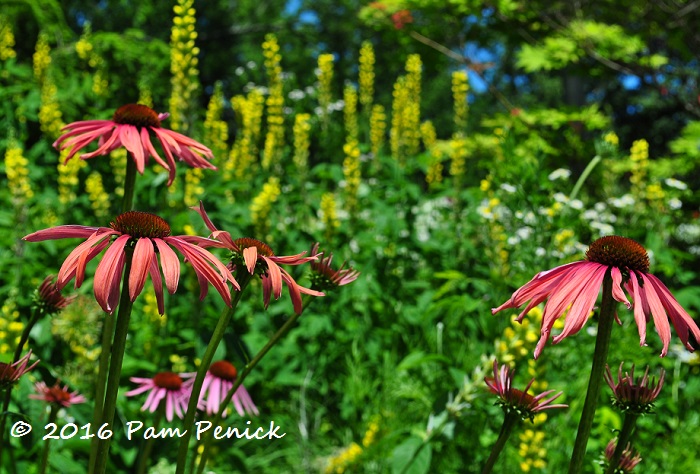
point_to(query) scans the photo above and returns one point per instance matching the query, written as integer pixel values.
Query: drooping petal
(108, 274)
(274, 273)
(65, 232)
(639, 316)
(617, 292)
(203, 214)
(170, 264)
(682, 321)
(250, 256)
(141, 261)
(582, 306)
(657, 312)
(154, 271)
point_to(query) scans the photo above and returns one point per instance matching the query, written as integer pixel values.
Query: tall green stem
(129, 184)
(584, 176)
(115, 366)
(600, 355)
(508, 423)
(243, 279)
(100, 384)
(44, 463)
(242, 376)
(624, 437)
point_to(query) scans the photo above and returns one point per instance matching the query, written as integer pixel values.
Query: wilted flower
(56, 395)
(628, 460)
(49, 299)
(258, 258)
(573, 289)
(324, 277)
(10, 373)
(163, 385)
(519, 401)
(633, 396)
(147, 235)
(130, 127)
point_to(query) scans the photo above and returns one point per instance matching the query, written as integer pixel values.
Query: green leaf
(411, 457)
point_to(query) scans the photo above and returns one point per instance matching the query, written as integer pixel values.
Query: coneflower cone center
(519, 398)
(168, 381)
(7, 372)
(57, 395)
(619, 252)
(141, 224)
(223, 370)
(137, 115)
(246, 242)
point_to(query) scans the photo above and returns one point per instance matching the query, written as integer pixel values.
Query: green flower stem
(148, 446)
(584, 176)
(43, 464)
(115, 366)
(24, 337)
(106, 350)
(508, 424)
(600, 355)
(622, 439)
(281, 332)
(243, 279)
(129, 184)
(8, 391)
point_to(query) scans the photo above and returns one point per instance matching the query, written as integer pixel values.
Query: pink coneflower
(49, 298)
(628, 460)
(146, 235)
(217, 383)
(575, 287)
(10, 373)
(259, 259)
(634, 396)
(163, 385)
(324, 277)
(519, 401)
(56, 395)
(130, 127)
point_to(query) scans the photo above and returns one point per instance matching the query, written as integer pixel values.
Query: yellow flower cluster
(377, 129)
(80, 328)
(639, 158)
(302, 130)
(351, 172)
(215, 129)
(414, 68)
(366, 75)
(50, 116)
(10, 327)
(193, 186)
(329, 215)
(344, 459)
(655, 192)
(117, 161)
(350, 113)
(460, 89)
(261, 206)
(86, 52)
(399, 104)
(68, 177)
(41, 59)
(434, 173)
(17, 170)
(150, 309)
(458, 157)
(242, 155)
(531, 451)
(7, 39)
(611, 138)
(274, 140)
(325, 81)
(183, 62)
(99, 198)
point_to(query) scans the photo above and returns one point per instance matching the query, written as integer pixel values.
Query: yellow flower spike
(485, 185)
(352, 174)
(325, 81)
(274, 139)
(261, 206)
(377, 124)
(7, 39)
(366, 78)
(329, 215)
(460, 88)
(99, 198)
(183, 63)
(215, 129)
(350, 113)
(611, 137)
(301, 131)
(17, 171)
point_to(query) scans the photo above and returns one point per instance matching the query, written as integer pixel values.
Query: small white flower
(561, 173)
(251, 65)
(239, 71)
(674, 183)
(561, 197)
(576, 204)
(675, 203)
(509, 188)
(540, 252)
(297, 94)
(624, 201)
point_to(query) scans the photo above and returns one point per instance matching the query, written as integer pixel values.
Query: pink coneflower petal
(575, 287)
(108, 274)
(170, 264)
(273, 273)
(142, 260)
(250, 256)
